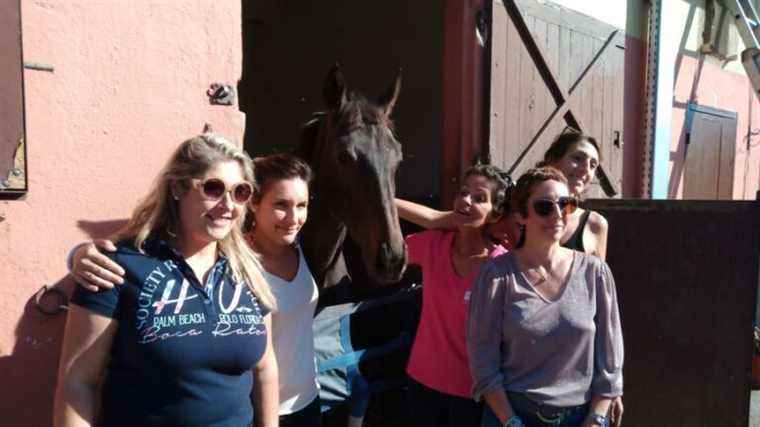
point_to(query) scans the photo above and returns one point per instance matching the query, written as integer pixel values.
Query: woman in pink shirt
(440, 390)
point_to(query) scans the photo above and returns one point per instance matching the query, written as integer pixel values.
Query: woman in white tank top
(280, 209)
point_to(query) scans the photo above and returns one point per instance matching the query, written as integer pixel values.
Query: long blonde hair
(157, 214)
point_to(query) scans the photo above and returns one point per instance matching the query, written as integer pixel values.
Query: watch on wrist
(597, 419)
(514, 421)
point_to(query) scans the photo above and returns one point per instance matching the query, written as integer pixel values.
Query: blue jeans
(569, 417)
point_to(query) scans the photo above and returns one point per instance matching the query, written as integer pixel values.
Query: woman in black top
(576, 155)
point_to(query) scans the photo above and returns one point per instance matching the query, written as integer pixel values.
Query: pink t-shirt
(439, 353)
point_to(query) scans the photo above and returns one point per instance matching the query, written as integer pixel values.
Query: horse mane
(309, 133)
(358, 111)
(355, 113)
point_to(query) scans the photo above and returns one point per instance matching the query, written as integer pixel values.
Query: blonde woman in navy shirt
(280, 208)
(185, 340)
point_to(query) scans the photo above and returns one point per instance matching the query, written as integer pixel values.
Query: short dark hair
(277, 167)
(530, 179)
(566, 139)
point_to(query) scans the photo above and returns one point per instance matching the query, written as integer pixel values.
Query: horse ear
(334, 90)
(388, 99)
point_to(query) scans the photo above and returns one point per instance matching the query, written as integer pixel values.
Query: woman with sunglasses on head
(544, 335)
(439, 390)
(186, 339)
(279, 207)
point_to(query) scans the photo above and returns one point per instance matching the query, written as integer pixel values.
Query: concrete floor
(754, 409)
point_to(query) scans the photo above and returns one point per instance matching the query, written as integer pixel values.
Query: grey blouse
(559, 352)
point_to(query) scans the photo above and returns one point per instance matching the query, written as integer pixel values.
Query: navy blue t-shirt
(183, 351)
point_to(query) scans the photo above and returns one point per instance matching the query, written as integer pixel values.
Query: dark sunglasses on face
(214, 189)
(545, 207)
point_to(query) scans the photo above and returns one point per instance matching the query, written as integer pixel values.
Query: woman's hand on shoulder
(93, 270)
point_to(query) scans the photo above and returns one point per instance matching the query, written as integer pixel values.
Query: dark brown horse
(354, 155)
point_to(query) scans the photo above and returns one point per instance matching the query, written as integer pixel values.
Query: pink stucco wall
(707, 84)
(129, 85)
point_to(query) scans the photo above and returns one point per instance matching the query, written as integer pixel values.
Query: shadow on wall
(101, 229)
(30, 371)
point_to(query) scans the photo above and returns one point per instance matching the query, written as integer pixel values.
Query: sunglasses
(214, 189)
(545, 207)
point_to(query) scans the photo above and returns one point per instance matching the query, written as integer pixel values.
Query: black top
(576, 240)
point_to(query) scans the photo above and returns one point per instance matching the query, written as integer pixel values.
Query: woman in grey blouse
(544, 338)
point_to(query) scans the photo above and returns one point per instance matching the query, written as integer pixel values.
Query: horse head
(354, 154)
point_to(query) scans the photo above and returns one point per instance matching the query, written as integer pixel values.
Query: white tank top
(293, 337)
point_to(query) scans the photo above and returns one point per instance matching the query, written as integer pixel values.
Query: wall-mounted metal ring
(60, 300)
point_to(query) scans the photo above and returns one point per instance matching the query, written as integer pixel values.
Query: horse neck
(323, 234)
(322, 240)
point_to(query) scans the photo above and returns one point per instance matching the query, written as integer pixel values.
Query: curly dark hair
(500, 186)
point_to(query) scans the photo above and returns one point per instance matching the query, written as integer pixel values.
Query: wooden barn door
(551, 67)
(710, 150)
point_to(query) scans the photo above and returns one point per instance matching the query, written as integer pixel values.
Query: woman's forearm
(600, 405)
(266, 397)
(84, 353)
(266, 385)
(499, 404)
(74, 404)
(424, 216)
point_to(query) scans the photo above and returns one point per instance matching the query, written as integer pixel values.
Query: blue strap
(354, 357)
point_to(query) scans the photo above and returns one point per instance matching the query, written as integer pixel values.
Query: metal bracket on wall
(39, 67)
(59, 304)
(221, 94)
